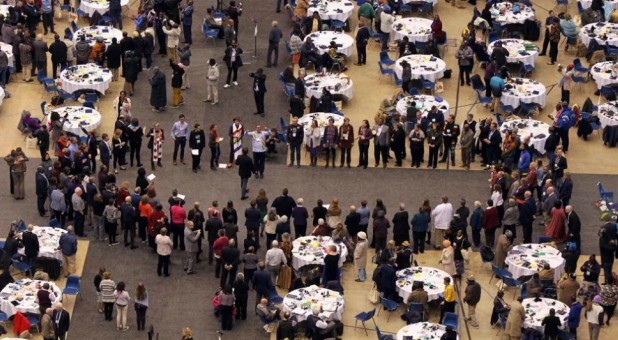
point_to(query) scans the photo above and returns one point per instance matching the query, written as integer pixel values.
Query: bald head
(568, 209)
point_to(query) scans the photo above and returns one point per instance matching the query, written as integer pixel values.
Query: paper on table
(151, 177)
(182, 197)
(222, 166)
(195, 152)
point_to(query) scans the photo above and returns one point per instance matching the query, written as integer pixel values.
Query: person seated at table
(336, 57)
(436, 28)
(450, 333)
(313, 23)
(288, 76)
(404, 256)
(547, 273)
(287, 327)
(568, 27)
(309, 53)
(326, 101)
(322, 229)
(534, 286)
(501, 308)
(480, 51)
(267, 313)
(387, 280)
(272, 141)
(419, 295)
(319, 326)
(39, 274)
(209, 19)
(406, 47)
(31, 123)
(431, 48)
(97, 54)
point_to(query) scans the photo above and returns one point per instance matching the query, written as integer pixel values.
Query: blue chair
(523, 292)
(498, 118)
(88, 104)
(282, 137)
(562, 2)
(72, 286)
(65, 8)
(336, 24)
(579, 80)
(22, 266)
(427, 7)
(53, 222)
(92, 97)
(383, 336)
(284, 126)
(51, 88)
(364, 317)
(428, 85)
(450, 319)
(42, 105)
(562, 334)
(385, 59)
(405, 9)
(414, 91)
(275, 298)
(398, 81)
(527, 108)
(210, 33)
(388, 305)
(496, 272)
(608, 93)
(511, 282)
(525, 70)
(80, 13)
(508, 109)
(611, 50)
(421, 47)
(497, 28)
(417, 307)
(578, 65)
(375, 36)
(544, 239)
(335, 110)
(482, 99)
(40, 76)
(74, 26)
(384, 71)
(3, 317)
(596, 127)
(493, 36)
(65, 95)
(360, 2)
(34, 321)
(68, 33)
(2, 244)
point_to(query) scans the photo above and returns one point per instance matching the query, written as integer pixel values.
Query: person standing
(467, 144)
(184, 54)
(68, 246)
(25, 52)
(141, 306)
(360, 256)
(113, 54)
(233, 61)
(178, 72)
(128, 217)
(214, 145)
(230, 258)
(566, 83)
(275, 258)
(554, 39)
(330, 140)
(212, 82)
(381, 135)
(515, 320)
(465, 59)
(245, 169)
(187, 21)
(472, 298)
(295, 136)
(179, 133)
(79, 208)
(191, 238)
(362, 37)
(346, 141)
(61, 320)
(273, 44)
(164, 250)
(58, 50)
(594, 316)
(42, 190)
(441, 216)
(173, 36)
(258, 144)
(155, 144)
(40, 55)
(158, 93)
(241, 292)
(47, 12)
(197, 142)
(47, 325)
(548, 22)
(259, 90)
(122, 299)
(115, 12)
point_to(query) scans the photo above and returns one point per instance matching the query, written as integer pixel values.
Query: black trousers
(563, 134)
(163, 265)
(295, 153)
(566, 95)
(490, 237)
(108, 310)
(241, 307)
(142, 225)
(545, 42)
(272, 47)
(464, 71)
(179, 143)
(140, 317)
(178, 237)
(346, 156)
(60, 217)
(361, 51)
(129, 234)
(363, 159)
(380, 150)
(196, 159)
(527, 228)
(331, 153)
(55, 65)
(111, 231)
(228, 276)
(259, 101)
(48, 21)
(136, 147)
(419, 241)
(553, 51)
(258, 162)
(227, 319)
(417, 155)
(40, 203)
(214, 156)
(447, 307)
(433, 156)
(232, 74)
(79, 223)
(299, 230)
(476, 237)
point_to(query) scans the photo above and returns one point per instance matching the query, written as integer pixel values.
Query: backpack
(57, 100)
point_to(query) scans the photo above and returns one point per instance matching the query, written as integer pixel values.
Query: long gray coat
(190, 240)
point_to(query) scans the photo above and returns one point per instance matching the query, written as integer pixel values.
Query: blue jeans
(362, 274)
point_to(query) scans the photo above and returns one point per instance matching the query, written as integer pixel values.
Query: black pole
(450, 147)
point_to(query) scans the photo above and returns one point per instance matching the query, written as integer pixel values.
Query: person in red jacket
(491, 222)
(221, 242)
(154, 219)
(178, 215)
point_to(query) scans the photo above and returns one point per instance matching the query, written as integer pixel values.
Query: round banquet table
(308, 250)
(587, 3)
(525, 127)
(608, 114)
(525, 90)
(322, 41)
(331, 9)
(432, 278)
(422, 65)
(416, 29)
(20, 296)
(49, 240)
(527, 259)
(605, 73)
(610, 30)
(322, 119)
(92, 32)
(508, 17)
(519, 50)
(422, 331)
(79, 117)
(537, 311)
(8, 50)
(298, 302)
(335, 83)
(423, 103)
(98, 78)
(101, 6)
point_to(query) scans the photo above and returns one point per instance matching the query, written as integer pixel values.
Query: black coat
(126, 44)
(259, 82)
(401, 227)
(42, 184)
(245, 166)
(130, 69)
(31, 243)
(177, 73)
(574, 225)
(113, 53)
(65, 322)
(104, 152)
(527, 211)
(228, 56)
(158, 94)
(197, 139)
(58, 51)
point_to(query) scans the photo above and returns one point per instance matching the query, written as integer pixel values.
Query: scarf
(157, 149)
(237, 132)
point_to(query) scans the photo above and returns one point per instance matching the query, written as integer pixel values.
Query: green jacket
(366, 11)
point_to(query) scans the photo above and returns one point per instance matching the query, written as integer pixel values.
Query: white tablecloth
(308, 250)
(8, 50)
(322, 119)
(538, 129)
(416, 29)
(101, 6)
(79, 117)
(92, 32)
(587, 3)
(427, 66)
(608, 113)
(322, 41)
(424, 103)
(98, 78)
(1, 95)
(432, 278)
(49, 239)
(434, 2)
(605, 73)
(23, 293)
(505, 16)
(527, 259)
(598, 31)
(298, 302)
(517, 51)
(4, 10)
(331, 9)
(537, 311)
(422, 331)
(335, 83)
(528, 91)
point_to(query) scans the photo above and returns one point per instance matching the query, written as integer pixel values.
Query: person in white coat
(386, 26)
(212, 82)
(173, 37)
(441, 216)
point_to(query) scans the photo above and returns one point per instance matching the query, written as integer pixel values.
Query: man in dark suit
(527, 213)
(259, 90)
(574, 227)
(61, 320)
(105, 150)
(31, 244)
(128, 217)
(262, 283)
(245, 170)
(42, 189)
(493, 141)
(566, 189)
(299, 84)
(253, 221)
(362, 37)
(295, 136)
(42, 140)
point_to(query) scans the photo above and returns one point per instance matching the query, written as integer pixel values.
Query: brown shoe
(230, 165)
(182, 161)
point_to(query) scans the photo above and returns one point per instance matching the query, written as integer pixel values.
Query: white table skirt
(91, 7)
(600, 27)
(314, 83)
(426, 101)
(537, 311)
(91, 119)
(532, 252)
(298, 302)
(71, 86)
(604, 114)
(525, 127)
(299, 260)
(335, 9)
(601, 76)
(432, 277)
(587, 3)
(524, 92)
(1, 95)
(322, 41)
(422, 65)
(322, 119)
(92, 32)
(422, 330)
(29, 303)
(508, 17)
(8, 50)
(514, 46)
(416, 29)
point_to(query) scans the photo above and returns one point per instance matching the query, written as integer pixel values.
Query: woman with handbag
(141, 306)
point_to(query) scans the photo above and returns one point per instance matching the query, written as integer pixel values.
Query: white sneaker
(235, 83)
(226, 86)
